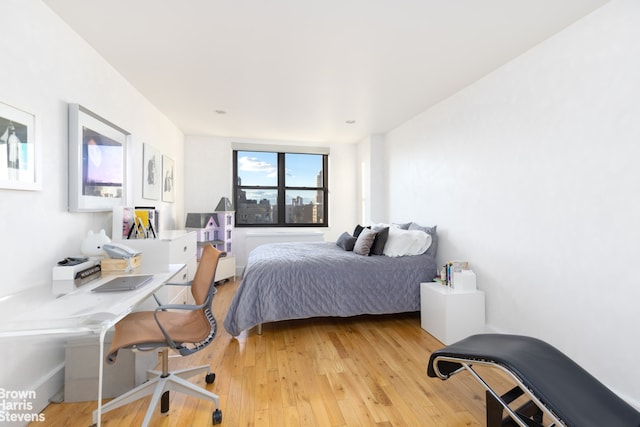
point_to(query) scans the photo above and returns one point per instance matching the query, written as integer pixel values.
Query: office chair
(186, 329)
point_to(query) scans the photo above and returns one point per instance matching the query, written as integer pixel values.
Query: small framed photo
(151, 172)
(19, 150)
(168, 183)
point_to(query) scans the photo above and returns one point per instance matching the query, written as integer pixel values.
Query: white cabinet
(451, 315)
(171, 247)
(226, 268)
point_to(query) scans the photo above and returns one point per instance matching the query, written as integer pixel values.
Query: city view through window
(280, 188)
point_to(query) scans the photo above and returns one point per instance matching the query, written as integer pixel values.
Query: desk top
(38, 312)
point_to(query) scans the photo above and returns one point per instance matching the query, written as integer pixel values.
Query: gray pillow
(364, 242)
(346, 241)
(379, 241)
(404, 226)
(433, 249)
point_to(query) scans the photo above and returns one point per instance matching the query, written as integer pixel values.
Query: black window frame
(281, 189)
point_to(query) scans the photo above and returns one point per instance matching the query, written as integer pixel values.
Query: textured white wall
(43, 67)
(532, 176)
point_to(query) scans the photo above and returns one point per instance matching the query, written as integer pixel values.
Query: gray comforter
(301, 280)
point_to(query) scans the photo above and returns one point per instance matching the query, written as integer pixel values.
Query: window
(280, 189)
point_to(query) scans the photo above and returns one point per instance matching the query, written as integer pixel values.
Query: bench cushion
(569, 391)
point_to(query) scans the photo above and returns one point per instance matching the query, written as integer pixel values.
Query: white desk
(80, 312)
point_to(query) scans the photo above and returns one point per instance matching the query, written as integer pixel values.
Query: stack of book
(447, 271)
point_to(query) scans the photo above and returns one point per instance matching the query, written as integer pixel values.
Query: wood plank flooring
(361, 371)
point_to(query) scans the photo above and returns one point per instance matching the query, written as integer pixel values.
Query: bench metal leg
(528, 413)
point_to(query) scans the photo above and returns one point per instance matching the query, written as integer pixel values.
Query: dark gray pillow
(358, 230)
(364, 242)
(346, 241)
(379, 241)
(433, 248)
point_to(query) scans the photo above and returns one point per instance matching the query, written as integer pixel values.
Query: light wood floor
(362, 371)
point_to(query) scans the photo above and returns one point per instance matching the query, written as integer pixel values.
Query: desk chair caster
(210, 378)
(216, 417)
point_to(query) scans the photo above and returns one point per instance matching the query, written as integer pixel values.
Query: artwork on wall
(168, 183)
(19, 150)
(151, 172)
(97, 162)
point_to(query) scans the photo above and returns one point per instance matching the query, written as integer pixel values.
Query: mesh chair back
(203, 289)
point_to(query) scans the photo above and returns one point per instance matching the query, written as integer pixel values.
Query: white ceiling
(297, 70)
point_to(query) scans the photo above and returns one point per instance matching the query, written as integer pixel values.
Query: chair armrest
(189, 307)
(179, 283)
(172, 284)
(165, 307)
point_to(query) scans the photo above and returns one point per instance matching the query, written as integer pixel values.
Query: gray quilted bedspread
(300, 280)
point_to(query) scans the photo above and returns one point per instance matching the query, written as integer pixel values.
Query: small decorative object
(152, 174)
(92, 244)
(215, 228)
(168, 176)
(19, 151)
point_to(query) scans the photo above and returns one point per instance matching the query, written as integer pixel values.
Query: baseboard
(21, 407)
(49, 386)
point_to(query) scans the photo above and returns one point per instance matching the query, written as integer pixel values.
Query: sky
(261, 168)
(257, 168)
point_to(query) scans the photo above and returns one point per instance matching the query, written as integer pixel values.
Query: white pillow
(406, 242)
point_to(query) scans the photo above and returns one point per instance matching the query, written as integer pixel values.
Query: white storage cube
(81, 370)
(451, 315)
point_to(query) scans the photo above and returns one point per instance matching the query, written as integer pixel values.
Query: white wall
(532, 176)
(43, 67)
(209, 177)
(372, 180)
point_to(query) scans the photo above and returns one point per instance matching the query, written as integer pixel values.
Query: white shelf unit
(171, 247)
(451, 315)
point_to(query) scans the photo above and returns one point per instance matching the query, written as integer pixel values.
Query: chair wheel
(217, 416)
(210, 378)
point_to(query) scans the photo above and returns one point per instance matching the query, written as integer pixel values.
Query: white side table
(451, 315)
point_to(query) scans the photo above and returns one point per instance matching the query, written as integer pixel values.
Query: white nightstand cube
(451, 315)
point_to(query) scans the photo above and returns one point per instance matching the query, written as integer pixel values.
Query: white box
(464, 280)
(68, 272)
(451, 315)
(81, 370)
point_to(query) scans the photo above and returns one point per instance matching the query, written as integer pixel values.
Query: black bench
(555, 385)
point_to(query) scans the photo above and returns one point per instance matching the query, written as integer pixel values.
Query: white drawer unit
(171, 247)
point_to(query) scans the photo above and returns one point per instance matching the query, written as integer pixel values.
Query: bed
(284, 281)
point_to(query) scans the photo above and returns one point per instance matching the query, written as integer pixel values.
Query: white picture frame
(97, 162)
(20, 166)
(168, 179)
(152, 176)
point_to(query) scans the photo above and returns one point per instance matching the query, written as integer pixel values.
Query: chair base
(158, 385)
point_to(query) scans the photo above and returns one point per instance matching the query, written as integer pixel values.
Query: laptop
(124, 283)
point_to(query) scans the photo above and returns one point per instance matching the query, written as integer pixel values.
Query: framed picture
(19, 150)
(151, 172)
(97, 162)
(168, 184)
